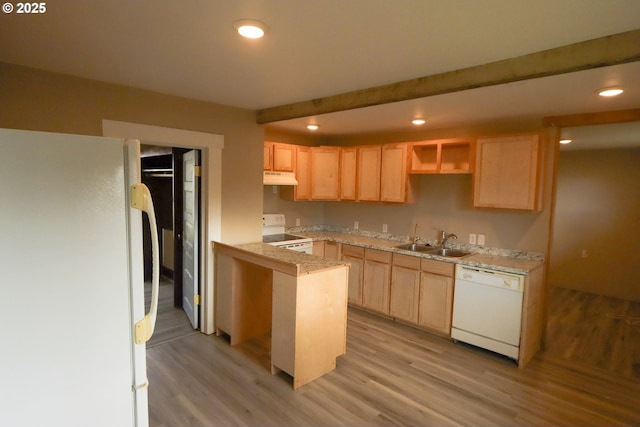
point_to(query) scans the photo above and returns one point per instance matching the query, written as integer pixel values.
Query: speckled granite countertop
(285, 260)
(516, 262)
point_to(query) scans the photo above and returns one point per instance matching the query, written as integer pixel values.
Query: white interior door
(190, 256)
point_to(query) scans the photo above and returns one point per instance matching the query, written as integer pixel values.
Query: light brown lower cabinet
(318, 248)
(411, 289)
(327, 249)
(376, 280)
(436, 296)
(332, 250)
(355, 256)
(405, 287)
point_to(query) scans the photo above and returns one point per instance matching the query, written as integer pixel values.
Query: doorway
(172, 176)
(593, 299)
(211, 146)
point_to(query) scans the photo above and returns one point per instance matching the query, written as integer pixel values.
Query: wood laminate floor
(171, 323)
(392, 375)
(594, 330)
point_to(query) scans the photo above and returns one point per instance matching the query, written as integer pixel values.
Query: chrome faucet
(444, 237)
(416, 238)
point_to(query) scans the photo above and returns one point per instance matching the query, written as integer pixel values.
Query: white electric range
(273, 234)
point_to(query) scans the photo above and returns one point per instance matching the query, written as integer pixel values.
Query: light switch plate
(384, 228)
(481, 239)
(472, 239)
(356, 225)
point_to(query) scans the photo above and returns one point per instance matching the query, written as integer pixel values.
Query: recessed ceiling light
(250, 28)
(312, 127)
(418, 122)
(610, 91)
(565, 141)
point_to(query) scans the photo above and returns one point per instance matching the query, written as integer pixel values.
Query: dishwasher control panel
(490, 277)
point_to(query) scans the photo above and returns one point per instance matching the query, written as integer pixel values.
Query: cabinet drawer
(407, 261)
(376, 255)
(354, 251)
(438, 267)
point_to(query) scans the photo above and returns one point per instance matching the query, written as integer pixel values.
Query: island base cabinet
(308, 323)
(242, 287)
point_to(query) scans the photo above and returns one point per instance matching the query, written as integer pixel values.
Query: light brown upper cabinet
(268, 156)
(348, 159)
(393, 173)
(507, 172)
(279, 157)
(369, 163)
(325, 173)
(442, 156)
(302, 191)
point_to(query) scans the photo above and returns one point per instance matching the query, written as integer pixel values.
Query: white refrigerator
(72, 311)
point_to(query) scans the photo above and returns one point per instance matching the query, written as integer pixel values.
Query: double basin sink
(415, 247)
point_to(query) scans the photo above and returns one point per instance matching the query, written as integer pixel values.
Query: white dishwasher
(487, 309)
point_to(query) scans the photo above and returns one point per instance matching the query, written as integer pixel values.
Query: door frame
(210, 146)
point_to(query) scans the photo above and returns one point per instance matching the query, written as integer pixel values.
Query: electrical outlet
(297, 222)
(356, 225)
(481, 239)
(472, 239)
(584, 254)
(384, 228)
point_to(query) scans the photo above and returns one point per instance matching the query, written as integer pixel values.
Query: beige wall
(598, 212)
(44, 101)
(441, 200)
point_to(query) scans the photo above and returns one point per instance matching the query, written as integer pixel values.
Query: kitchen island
(300, 299)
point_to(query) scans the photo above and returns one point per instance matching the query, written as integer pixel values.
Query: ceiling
(323, 48)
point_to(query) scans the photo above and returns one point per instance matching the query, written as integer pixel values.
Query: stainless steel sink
(415, 247)
(454, 253)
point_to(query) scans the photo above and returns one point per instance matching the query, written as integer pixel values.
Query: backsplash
(536, 256)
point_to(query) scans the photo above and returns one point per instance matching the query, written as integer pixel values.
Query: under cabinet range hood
(279, 178)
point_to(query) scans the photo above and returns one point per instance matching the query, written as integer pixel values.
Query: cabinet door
(348, 158)
(355, 256)
(268, 156)
(332, 250)
(318, 248)
(369, 163)
(325, 173)
(507, 172)
(405, 288)
(375, 281)
(436, 302)
(393, 173)
(284, 157)
(302, 191)
(355, 279)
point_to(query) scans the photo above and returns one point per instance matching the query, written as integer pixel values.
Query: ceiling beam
(587, 119)
(602, 52)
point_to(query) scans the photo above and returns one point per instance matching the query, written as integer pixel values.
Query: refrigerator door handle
(141, 200)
